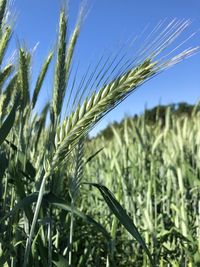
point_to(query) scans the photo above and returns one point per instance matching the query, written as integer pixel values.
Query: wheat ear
(93, 109)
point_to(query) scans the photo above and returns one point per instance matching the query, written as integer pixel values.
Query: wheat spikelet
(78, 173)
(71, 46)
(41, 79)
(100, 103)
(5, 38)
(94, 108)
(60, 81)
(23, 77)
(7, 96)
(3, 4)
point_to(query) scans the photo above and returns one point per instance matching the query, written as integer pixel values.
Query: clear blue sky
(108, 24)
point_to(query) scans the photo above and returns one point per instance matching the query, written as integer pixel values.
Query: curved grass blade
(4, 74)
(122, 216)
(58, 203)
(61, 204)
(8, 123)
(61, 262)
(8, 93)
(29, 169)
(93, 155)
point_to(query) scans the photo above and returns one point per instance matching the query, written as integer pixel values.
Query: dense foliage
(55, 205)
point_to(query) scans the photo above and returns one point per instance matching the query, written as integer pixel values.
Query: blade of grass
(122, 216)
(9, 122)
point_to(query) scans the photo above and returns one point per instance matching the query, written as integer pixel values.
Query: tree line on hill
(152, 116)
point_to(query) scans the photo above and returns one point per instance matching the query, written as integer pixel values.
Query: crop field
(154, 171)
(132, 199)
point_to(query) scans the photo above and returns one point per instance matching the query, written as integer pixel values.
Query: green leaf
(8, 123)
(122, 216)
(29, 170)
(5, 38)
(61, 204)
(5, 73)
(27, 201)
(93, 155)
(58, 203)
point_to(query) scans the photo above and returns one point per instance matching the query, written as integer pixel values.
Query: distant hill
(154, 115)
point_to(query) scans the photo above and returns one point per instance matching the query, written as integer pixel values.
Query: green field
(154, 171)
(129, 197)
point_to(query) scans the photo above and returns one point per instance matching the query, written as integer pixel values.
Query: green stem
(71, 233)
(49, 234)
(36, 213)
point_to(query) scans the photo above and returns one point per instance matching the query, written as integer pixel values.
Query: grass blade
(59, 80)
(8, 123)
(122, 216)
(3, 4)
(5, 38)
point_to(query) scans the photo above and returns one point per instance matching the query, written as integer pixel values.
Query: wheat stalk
(64, 58)
(93, 109)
